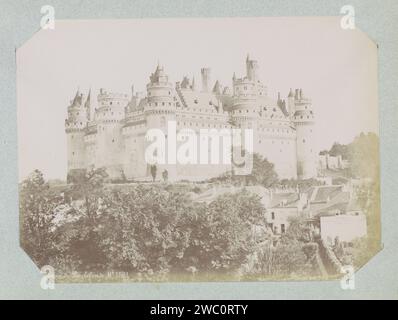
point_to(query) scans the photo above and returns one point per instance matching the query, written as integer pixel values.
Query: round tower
(248, 96)
(303, 119)
(109, 116)
(75, 124)
(159, 111)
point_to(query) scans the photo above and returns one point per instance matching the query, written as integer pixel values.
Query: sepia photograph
(225, 149)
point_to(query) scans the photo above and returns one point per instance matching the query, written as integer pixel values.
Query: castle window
(113, 140)
(273, 215)
(156, 104)
(110, 103)
(162, 103)
(303, 140)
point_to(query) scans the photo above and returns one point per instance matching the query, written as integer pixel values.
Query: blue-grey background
(20, 19)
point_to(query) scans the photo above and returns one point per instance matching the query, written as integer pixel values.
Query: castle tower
(290, 103)
(109, 116)
(160, 110)
(75, 124)
(303, 119)
(205, 73)
(251, 69)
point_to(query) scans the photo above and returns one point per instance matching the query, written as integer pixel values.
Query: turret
(290, 103)
(109, 119)
(161, 109)
(251, 69)
(75, 124)
(205, 72)
(303, 118)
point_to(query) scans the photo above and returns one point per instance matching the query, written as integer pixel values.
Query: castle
(112, 133)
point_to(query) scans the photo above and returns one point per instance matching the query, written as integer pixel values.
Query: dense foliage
(149, 231)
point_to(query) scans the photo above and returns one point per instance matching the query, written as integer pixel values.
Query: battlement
(115, 136)
(108, 99)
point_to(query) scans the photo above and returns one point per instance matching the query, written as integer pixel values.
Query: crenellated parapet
(110, 131)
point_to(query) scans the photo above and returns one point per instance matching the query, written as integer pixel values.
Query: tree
(84, 237)
(153, 172)
(293, 254)
(141, 231)
(339, 150)
(37, 212)
(165, 175)
(221, 236)
(363, 155)
(263, 172)
(88, 185)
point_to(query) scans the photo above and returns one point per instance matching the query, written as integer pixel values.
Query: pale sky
(336, 68)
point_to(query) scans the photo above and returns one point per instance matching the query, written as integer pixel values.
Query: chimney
(205, 72)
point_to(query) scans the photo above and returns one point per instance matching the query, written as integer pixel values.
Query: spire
(247, 57)
(77, 100)
(291, 94)
(132, 90)
(193, 86)
(217, 88)
(87, 105)
(77, 95)
(234, 77)
(185, 83)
